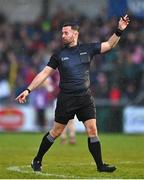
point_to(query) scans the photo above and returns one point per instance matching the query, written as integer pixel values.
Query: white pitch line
(18, 169)
(21, 170)
(93, 163)
(131, 162)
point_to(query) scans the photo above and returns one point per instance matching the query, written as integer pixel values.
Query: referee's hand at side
(22, 97)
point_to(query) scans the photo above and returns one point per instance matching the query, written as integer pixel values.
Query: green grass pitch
(71, 161)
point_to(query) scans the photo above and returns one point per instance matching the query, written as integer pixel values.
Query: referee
(73, 63)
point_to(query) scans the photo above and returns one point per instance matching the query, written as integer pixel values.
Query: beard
(67, 41)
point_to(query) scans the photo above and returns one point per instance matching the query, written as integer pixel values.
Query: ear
(76, 33)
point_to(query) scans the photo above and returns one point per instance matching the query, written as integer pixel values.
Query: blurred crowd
(25, 48)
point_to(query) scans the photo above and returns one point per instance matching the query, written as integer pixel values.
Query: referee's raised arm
(114, 39)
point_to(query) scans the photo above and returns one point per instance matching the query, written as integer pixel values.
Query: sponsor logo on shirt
(83, 53)
(65, 58)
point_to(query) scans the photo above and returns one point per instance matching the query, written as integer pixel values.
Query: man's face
(69, 35)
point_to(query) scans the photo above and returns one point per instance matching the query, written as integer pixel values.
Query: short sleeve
(95, 48)
(53, 62)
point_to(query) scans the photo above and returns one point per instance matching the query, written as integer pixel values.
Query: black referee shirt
(73, 64)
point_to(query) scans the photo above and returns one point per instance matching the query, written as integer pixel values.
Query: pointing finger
(126, 16)
(20, 96)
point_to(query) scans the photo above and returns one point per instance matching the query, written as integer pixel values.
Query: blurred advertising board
(121, 7)
(23, 119)
(17, 118)
(133, 119)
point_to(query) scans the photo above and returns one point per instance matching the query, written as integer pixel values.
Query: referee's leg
(95, 146)
(46, 143)
(57, 129)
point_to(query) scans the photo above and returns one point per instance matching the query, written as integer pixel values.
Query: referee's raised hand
(22, 97)
(123, 22)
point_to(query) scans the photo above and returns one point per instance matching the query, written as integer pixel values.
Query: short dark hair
(74, 25)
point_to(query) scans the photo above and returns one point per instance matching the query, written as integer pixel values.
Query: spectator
(26, 46)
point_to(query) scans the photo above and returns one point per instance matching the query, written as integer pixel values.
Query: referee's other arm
(37, 81)
(114, 39)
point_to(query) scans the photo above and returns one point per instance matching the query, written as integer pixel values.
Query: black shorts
(68, 106)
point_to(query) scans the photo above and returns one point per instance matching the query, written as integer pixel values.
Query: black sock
(46, 143)
(95, 150)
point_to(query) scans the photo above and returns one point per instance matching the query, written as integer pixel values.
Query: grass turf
(71, 161)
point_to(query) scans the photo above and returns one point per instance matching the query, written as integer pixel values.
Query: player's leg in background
(71, 131)
(64, 136)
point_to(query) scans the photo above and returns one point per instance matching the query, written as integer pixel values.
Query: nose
(63, 36)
